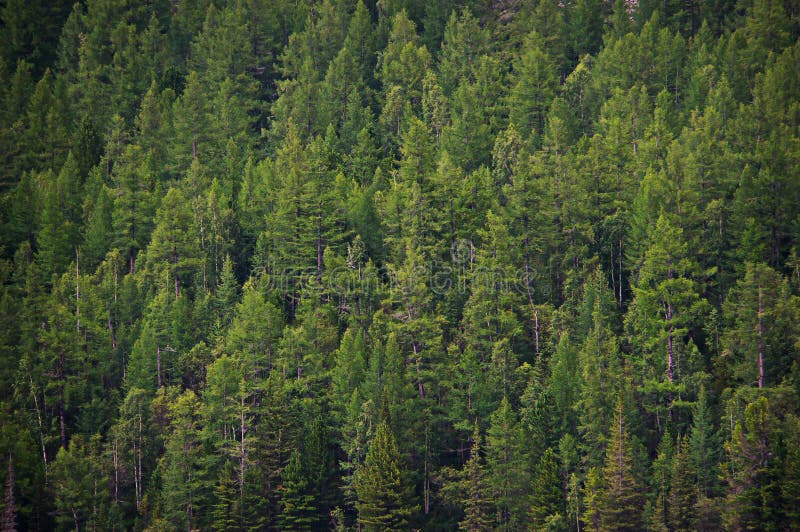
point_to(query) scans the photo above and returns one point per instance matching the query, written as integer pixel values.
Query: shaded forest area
(400, 264)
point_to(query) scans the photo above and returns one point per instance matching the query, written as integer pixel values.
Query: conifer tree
(535, 84)
(297, 502)
(476, 507)
(592, 491)
(683, 491)
(750, 470)
(547, 498)
(704, 446)
(508, 480)
(384, 497)
(621, 499)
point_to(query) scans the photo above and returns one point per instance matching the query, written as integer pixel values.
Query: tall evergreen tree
(384, 498)
(621, 500)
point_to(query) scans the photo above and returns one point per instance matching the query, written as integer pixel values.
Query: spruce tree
(476, 508)
(683, 491)
(547, 499)
(384, 495)
(621, 499)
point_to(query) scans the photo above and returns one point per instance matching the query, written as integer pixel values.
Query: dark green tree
(384, 495)
(547, 499)
(621, 499)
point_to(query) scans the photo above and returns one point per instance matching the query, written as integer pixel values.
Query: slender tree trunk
(8, 523)
(62, 425)
(158, 367)
(138, 466)
(669, 342)
(115, 456)
(619, 271)
(77, 292)
(175, 262)
(41, 430)
(760, 341)
(420, 387)
(319, 245)
(669, 332)
(241, 455)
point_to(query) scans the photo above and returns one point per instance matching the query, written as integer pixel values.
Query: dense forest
(405, 264)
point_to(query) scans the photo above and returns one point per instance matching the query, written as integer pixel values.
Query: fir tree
(384, 498)
(621, 499)
(547, 499)
(476, 508)
(683, 491)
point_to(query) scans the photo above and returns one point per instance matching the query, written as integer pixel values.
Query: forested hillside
(405, 264)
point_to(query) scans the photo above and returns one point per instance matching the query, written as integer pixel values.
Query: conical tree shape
(547, 498)
(297, 503)
(384, 498)
(475, 504)
(683, 492)
(621, 500)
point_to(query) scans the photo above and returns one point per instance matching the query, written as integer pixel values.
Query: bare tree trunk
(77, 292)
(619, 272)
(138, 465)
(41, 430)
(669, 342)
(319, 246)
(158, 367)
(62, 425)
(241, 455)
(8, 523)
(175, 262)
(115, 456)
(760, 341)
(669, 333)
(420, 387)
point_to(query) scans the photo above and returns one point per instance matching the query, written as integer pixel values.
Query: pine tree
(599, 366)
(190, 123)
(664, 310)
(79, 484)
(508, 479)
(683, 491)
(225, 513)
(758, 337)
(297, 501)
(750, 470)
(381, 484)
(476, 507)
(547, 499)
(182, 470)
(790, 481)
(535, 76)
(621, 500)
(592, 493)
(704, 446)
(464, 41)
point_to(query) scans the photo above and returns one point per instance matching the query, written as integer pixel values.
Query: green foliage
(384, 500)
(621, 499)
(392, 265)
(546, 499)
